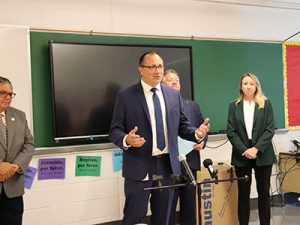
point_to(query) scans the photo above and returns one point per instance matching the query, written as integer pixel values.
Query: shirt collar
(147, 88)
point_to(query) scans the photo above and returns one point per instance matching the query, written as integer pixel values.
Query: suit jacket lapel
(142, 100)
(240, 114)
(255, 114)
(167, 103)
(11, 126)
(256, 111)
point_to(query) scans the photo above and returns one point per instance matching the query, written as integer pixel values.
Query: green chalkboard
(217, 66)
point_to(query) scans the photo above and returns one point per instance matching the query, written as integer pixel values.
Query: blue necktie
(160, 135)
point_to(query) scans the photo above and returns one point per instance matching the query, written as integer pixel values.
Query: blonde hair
(259, 96)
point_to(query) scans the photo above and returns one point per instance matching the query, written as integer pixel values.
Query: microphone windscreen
(181, 157)
(207, 162)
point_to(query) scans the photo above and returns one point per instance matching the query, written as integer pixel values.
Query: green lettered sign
(88, 165)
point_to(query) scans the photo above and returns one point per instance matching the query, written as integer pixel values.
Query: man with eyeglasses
(16, 150)
(148, 117)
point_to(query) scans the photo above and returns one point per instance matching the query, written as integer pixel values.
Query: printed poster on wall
(29, 176)
(51, 168)
(291, 56)
(117, 159)
(88, 165)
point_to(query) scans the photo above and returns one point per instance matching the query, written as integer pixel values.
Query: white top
(248, 108)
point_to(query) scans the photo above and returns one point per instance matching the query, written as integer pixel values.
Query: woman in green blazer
(250, 130)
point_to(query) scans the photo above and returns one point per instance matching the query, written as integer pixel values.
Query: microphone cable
(218, 146)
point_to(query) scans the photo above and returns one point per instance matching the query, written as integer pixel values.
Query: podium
(218, 201)
(289, 165)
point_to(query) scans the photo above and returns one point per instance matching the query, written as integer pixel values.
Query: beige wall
(197, 18)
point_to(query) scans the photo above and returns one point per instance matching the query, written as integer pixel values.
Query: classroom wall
(92, 200)
(169, 17)
(16, 66)
(75, 200)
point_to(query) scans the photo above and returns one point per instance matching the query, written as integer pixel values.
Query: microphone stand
(198, 188)
(172, 186)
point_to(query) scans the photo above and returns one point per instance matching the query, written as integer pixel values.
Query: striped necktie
(3, 129)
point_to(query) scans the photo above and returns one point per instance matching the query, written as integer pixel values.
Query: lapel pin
(12, 119)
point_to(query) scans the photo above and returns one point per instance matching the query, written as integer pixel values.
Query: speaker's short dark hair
(141, 61)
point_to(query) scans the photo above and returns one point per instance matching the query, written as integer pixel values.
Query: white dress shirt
(148, 95)
(248, 108)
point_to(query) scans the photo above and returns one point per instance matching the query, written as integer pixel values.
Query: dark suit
(187, 194)
(19, 150)
(131, 110)
(262, 134)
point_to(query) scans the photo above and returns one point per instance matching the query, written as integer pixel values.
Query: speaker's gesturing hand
(134, 139)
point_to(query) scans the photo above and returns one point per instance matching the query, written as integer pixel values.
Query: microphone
(296, 143)
(207, 163)
(182, 160)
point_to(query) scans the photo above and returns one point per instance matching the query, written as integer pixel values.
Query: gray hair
(170, 71)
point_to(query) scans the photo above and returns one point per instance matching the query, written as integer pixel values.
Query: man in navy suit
(133, 129)
(187, 194)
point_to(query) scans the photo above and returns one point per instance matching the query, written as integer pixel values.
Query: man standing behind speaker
(16, 150)
(187, 194)
(148, 151)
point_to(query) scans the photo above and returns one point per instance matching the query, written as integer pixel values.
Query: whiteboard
(15, 65)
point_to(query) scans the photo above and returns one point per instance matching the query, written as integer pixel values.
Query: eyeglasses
(153, 67)
(4, 94)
